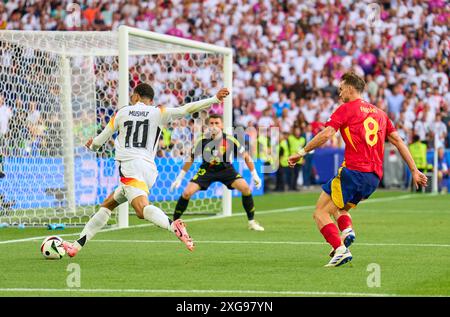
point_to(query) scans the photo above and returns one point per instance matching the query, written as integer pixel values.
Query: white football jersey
(139, 129)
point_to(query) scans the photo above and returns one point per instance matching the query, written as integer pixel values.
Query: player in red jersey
(364, 129)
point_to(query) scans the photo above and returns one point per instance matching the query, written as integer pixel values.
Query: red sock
(344, 222)
(331, 234)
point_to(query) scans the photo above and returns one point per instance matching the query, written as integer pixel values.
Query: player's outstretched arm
(418, 177)
(169, 114)
(95, 143)
(320, 139)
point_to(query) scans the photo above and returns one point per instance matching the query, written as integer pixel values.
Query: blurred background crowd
(288, 59)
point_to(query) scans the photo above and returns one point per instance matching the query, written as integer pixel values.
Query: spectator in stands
(443, 170)
(5, 115)
(280, 105)
(295, 142)
(3, 16)
(395, 101)
(317, 125)
(284, 54)
(181, 136)
(439, 130)
(446, 120)
(299, 88)
(53, 135)
(283, 173)
(307, 168)
(419, 153)
(33, 113)
(421, 128)
(286, 121)
(266, 120)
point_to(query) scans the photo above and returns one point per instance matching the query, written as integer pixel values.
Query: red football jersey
(364, 129)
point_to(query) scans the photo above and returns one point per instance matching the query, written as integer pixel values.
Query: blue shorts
(349, 187)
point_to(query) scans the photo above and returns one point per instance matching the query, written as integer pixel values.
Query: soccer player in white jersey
(139, 129)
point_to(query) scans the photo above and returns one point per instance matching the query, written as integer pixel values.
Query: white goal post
(63, 87)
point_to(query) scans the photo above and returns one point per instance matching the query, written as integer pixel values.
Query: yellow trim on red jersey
(349, 137)
(336, 190)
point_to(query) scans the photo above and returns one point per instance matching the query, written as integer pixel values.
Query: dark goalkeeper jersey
(217, 154)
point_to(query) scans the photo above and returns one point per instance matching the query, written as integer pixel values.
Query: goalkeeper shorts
(204, 177)
(137, 177)
(349, 187)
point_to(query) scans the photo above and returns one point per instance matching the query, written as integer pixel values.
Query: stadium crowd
(289, 56)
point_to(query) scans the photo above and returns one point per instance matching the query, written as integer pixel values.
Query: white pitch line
(263, 212)
(201, 291)
(276, 242)
(376, 200)
(150, 224)
(102, 231)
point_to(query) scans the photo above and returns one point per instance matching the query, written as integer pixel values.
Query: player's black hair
(352, 79)
(416, 138)
(214, 116)
(144, 91)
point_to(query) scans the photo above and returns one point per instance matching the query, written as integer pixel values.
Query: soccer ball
(52, 248)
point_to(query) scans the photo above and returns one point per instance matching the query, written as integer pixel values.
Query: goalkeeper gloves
(178, 180)
(256, 179)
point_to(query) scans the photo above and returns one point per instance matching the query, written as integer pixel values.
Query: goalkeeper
(216, 150)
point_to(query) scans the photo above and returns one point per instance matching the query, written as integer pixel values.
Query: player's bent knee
(243, 187)
(314, 215)
(246, 191)
(317, 214)
(189, 191)
(186, 195)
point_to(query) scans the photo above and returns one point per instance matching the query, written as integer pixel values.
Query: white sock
(97, 222)
(157, 216)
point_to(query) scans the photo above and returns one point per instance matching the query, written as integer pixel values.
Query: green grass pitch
(403, 243)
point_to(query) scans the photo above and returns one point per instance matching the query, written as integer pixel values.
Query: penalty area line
(239, 214)
(429, 245)
(202, 291)
(150, 224)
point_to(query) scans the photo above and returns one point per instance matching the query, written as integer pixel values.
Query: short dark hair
(352, 79)
(144, 91)
(416, 138)
(214, 116)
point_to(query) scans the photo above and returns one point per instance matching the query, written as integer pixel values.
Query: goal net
(61, 88)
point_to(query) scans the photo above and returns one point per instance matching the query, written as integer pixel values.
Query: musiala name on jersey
(136, 113)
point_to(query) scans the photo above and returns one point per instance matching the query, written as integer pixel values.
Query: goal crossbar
(57, 42)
